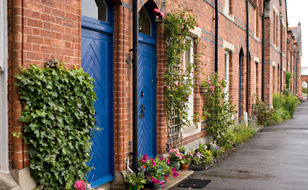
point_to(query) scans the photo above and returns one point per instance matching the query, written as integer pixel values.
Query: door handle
(141, 116)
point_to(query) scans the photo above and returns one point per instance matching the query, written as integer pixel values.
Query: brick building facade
(40, 29)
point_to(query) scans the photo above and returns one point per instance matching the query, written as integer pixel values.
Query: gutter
(281, 65)
(135, 84)
(247, 57)
(216, 36)
(263, 51)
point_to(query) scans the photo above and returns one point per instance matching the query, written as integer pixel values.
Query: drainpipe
(263, 50)
(135, 85)
(216, 36)
(287, 53)
(281, 65)
(248, 57)
(296, 74)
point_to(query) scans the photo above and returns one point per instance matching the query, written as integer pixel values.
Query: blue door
(96, 59)
(146, 85)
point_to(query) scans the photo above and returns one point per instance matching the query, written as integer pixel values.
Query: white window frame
(227, 7)
(255, 79)
(227, 73)
(4, 162)
(256, 22)
(188, 131)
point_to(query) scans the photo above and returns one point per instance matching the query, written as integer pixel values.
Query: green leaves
(179, 83)
(217, 110)
(58, 116)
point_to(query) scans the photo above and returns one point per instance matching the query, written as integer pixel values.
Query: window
(227, 75)
(188, 60)
(96, 9)
(256, 22)
(227, 7)
(145, 24)
(256, 79)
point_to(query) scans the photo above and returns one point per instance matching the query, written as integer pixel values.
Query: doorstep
(171, 182)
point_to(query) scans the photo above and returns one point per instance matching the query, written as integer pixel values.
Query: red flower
(156, 10)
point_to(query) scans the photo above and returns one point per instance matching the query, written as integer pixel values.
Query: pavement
(276, 158)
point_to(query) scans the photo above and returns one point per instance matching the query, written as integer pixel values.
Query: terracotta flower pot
(184, 166)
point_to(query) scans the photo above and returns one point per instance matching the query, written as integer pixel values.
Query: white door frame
(4, 162)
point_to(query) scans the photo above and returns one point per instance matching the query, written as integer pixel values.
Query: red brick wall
(38, 30)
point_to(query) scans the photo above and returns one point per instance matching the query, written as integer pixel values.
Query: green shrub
(290, 104)
(217, 110)
(280, 115)
(242, 133)
(278, 100)
(304, 90)
(263, 113)
(58, 117)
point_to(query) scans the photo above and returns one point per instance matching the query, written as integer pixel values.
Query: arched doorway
(147, 82)
(97, 60)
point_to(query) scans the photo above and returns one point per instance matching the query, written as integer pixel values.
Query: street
(276, 158)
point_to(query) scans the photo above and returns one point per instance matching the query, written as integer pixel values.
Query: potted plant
(135, 181)
(182, 150)
(186, 161)
(175, 158)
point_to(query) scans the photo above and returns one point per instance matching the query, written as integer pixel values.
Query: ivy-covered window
(97, 9)
(145, 24)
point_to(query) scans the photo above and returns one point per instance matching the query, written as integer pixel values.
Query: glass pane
(145, 23)
(95, 9)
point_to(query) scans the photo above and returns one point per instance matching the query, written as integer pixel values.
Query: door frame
(4, 162)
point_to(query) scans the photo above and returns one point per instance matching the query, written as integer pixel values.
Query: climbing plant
(179, 83)
(58, 116)
(218, 110)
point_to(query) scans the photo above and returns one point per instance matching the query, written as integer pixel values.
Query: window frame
(107, 20)
(4, 162)
(191, 130)
(227, 63)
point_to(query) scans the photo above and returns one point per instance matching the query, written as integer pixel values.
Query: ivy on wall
(58, 116)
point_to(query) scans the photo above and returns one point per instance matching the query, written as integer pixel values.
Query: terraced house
(248, 42)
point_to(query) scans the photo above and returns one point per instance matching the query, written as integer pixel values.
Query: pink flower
(167, 175)
(153, 163)
(168, 87)
(156, 10)
(176, 84)
(198, 24)
(212, 88)
(182, 26)
(175, 174)
(173, 170)
(186, 99)
(80, 185)
(157, 17)
(148, 176)
(168, 161)
(209, 82)
(161, 158)
(162, 15)
(145, 158)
